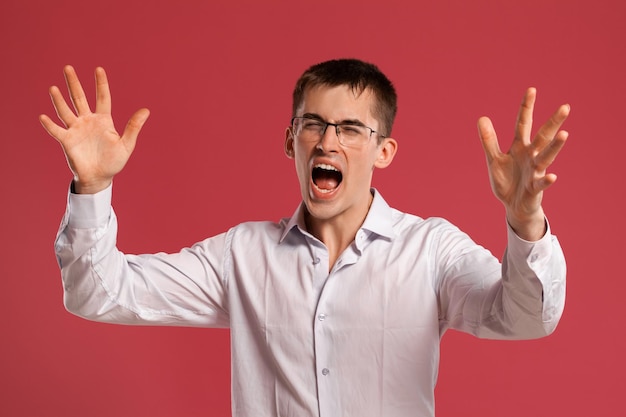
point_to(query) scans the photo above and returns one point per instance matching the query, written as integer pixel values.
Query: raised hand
(518, 177)
(94, 150)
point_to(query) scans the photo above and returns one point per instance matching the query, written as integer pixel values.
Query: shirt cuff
(536, 252)
(89, 210)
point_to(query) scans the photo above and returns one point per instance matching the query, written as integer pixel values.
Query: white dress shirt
(362, 340)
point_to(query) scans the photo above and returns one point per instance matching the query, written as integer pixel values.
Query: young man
(339, 309)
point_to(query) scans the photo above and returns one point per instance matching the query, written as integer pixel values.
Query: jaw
(328, 191)
(335, 214)
(322, 206)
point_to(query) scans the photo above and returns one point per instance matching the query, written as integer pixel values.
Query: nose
(329, 142)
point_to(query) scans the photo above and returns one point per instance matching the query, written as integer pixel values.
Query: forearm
(534, 275)
(522, 298)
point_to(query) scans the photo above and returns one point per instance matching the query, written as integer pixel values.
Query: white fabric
(362, 340)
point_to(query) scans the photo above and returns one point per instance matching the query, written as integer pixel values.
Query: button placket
(323, 352)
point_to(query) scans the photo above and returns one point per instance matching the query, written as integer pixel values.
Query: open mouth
(326, 177)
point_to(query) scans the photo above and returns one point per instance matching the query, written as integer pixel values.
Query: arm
(101, 283)
(525, 297)
(522, 298)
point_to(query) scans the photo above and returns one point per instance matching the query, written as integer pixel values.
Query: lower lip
(320, 195)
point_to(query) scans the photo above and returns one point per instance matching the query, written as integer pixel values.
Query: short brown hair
(359, 76)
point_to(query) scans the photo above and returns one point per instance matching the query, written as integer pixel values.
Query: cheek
(302, 155)
(302, 166)
(363, 164)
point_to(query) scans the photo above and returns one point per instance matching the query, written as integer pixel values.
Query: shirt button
(534, 258)
(316, 261)
(325, 371)
(321, 317)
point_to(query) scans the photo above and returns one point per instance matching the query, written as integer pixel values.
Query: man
(338, 310)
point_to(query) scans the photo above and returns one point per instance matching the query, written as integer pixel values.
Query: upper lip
(325, 163)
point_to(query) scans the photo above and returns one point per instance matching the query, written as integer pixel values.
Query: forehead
(338, 103)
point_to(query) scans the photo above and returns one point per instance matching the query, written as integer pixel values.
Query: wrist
(530, 227)
(81, 187)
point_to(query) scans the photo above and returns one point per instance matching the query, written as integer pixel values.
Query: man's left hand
(518, 177)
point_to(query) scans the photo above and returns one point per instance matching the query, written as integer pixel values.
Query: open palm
(95, 151)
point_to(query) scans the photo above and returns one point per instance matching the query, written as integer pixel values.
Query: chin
(321, 210)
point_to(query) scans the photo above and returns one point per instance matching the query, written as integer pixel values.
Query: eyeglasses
(349, 134)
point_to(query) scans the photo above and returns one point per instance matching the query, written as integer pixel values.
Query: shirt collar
(379, 219)
(295, 221)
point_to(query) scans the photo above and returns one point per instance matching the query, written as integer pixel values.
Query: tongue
(326, 183)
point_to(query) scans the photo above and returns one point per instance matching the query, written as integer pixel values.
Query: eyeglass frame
(336, 126)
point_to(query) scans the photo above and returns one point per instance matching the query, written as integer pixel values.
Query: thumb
(488, 138)
(133, 127)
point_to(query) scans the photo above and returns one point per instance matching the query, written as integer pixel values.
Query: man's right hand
(95, 151)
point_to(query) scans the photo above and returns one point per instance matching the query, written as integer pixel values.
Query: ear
(387, 150)
(289, 143)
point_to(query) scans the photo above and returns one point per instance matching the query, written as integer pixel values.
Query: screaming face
(335, 180)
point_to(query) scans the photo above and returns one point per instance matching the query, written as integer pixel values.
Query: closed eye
(312, 124)
(351, 129)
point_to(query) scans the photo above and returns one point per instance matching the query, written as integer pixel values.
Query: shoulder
(256, 233)
(406, 223)
(434, 232)
(257, 228)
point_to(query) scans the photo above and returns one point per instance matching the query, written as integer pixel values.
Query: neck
(338, 232)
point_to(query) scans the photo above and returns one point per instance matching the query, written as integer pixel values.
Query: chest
(378, 288)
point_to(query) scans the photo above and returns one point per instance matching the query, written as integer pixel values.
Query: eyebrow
(355, 122)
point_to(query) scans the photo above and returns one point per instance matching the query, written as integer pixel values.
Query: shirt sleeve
(521, 298)
(103, 284)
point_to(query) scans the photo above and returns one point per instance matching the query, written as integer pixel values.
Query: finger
(131, 132)
(548, 130)
(488, 138)
(103, 93)
(546, 181)
(76, 91)
(60, 106)
(548, 154)
(52, 128)
(525, 116)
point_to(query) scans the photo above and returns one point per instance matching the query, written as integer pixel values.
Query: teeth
(326, 167)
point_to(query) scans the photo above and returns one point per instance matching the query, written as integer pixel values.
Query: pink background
(217, 77)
